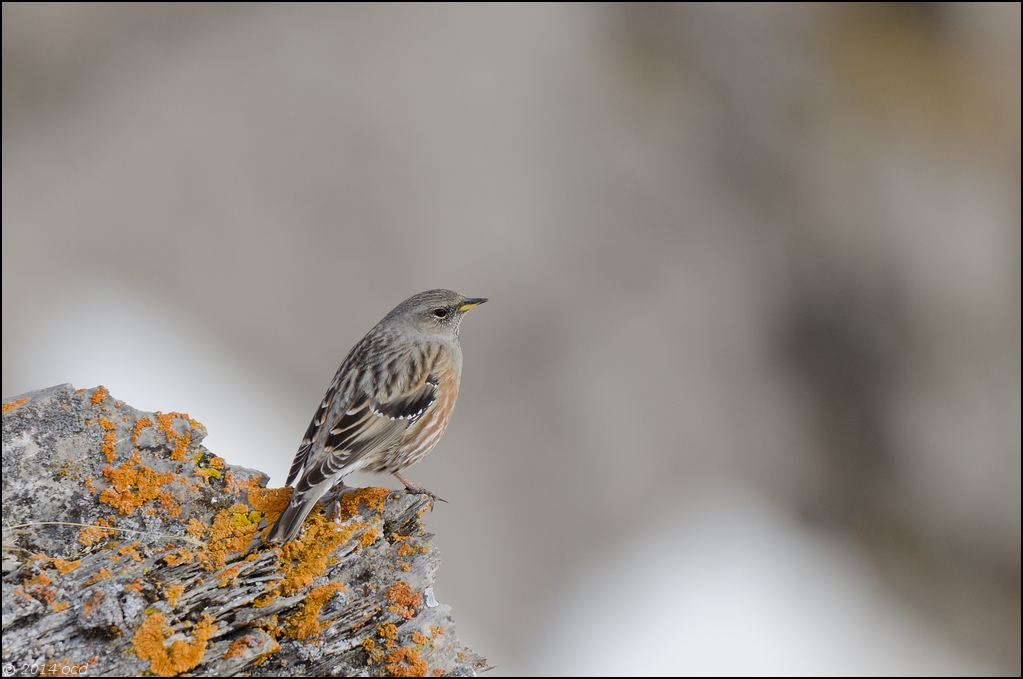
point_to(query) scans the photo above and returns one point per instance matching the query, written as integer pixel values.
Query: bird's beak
(470, 303)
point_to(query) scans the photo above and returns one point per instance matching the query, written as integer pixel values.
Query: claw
(418, 490)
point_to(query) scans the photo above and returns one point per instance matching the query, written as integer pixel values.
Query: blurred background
(746, 398)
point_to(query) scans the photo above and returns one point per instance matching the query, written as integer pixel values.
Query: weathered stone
(130, 548)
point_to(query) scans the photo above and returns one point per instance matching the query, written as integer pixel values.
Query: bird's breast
(422, 436)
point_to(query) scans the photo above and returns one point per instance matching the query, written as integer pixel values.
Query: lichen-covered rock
(131, 548)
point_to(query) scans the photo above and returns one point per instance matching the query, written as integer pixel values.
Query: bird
(387, 406)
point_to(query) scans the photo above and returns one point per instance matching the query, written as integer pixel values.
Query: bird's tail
(289, 523)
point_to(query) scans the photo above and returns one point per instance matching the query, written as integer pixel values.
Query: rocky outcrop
(131, 548)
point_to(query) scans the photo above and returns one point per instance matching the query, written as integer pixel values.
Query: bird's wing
(302, 456)
(364, 424)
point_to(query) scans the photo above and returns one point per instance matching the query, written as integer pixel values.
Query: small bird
(387, 406)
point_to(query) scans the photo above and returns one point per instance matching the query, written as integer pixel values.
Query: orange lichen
(237, 648)
(11, 405)
(406, 550)
(135, 587)
(233, 485)
(181, 656)
(130, 551)
(165, 421)
(306, 557)
(91, 603)
(133, 484)
(64, 567)
(140, 424)
(227, 535)
(22, 595)
(172, 593)
(101, 528)
(387, 630)
(196, 529)
(371, 498)
(375, 654)
(419, 639)
(368, 537)
(406, 567)
(227, 576)
(404, 600)
(38, 587)
(180, 555)
(267, 598)
(109, 438)
(101, 574)
(59, 605)
(240, 647)
(436, 630)
(405, 662)
(99, 395)
(207, 474)
(269, 502)
(303, 623)
(168, 503)
(438, 672)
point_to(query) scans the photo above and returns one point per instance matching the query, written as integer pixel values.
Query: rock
(131, 548)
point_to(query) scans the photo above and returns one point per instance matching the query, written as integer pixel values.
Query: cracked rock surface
(131, 548)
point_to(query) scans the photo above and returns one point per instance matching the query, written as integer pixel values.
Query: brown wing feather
(364, 422)
(311, 433)
(366, 427)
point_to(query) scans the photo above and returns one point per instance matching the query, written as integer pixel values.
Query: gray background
(746, 397)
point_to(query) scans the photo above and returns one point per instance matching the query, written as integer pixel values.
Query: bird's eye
(440, 313)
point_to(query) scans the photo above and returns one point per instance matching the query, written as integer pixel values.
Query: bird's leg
(418, 490)
(333, 496)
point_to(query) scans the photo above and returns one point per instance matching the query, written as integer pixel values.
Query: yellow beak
(470, 303)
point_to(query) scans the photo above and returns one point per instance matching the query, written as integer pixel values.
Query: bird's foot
(418, 490)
